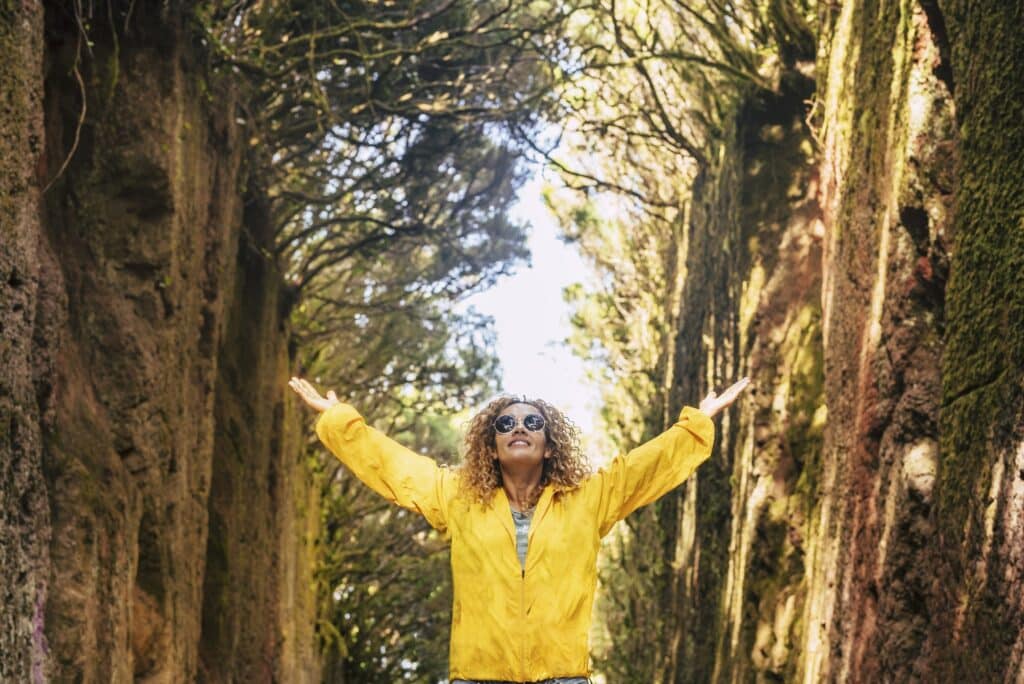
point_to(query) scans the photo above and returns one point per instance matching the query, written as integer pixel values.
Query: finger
(332, 396)
(730, 394)
(305, 390)
(738, 387)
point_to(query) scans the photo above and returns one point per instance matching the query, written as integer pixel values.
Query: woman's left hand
(313, 399)
(713, 403)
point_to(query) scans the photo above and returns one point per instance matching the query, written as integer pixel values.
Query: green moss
(983, 390)
(982, 373)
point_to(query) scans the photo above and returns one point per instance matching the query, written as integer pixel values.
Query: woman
(525, 519)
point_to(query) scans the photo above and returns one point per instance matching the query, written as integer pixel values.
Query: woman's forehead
(520, 408)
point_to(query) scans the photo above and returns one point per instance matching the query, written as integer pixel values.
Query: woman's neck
(523, 490)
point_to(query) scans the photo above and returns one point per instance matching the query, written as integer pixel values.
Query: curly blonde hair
(566, 468)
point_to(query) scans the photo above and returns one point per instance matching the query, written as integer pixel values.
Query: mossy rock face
(149, 269)
(729, 594)
(983, 365)
(982, 391)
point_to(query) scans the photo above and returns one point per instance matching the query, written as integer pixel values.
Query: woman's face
(520, 448)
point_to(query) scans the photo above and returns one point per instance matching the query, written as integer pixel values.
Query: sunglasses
(506, 424)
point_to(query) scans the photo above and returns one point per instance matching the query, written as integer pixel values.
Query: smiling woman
(524, 517)
(505, 446)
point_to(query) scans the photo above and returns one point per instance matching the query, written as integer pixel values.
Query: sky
(531, 318)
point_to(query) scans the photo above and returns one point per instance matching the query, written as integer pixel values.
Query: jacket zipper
(522, 610)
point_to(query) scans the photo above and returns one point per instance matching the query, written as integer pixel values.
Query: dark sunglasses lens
(505, 424)
(534, 422)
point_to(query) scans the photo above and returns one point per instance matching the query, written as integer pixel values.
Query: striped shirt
(522, 523)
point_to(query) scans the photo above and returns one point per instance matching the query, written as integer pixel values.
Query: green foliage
(385, 361)
(651, 86)
(379, 128)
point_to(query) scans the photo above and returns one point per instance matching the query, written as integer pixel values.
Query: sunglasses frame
(516, 423)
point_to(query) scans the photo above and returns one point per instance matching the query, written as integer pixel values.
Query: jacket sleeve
(652, 469)
(398, 474)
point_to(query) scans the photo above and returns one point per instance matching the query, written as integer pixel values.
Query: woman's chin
(521, 459)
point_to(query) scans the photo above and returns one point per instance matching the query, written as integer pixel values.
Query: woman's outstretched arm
(659, 465)
(398, 474)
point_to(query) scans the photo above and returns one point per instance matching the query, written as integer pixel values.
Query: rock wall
(750, 305)
(25, 353)
(773, 450)
(861, 520)
(177, 521)
(888, 156)
(258, 605)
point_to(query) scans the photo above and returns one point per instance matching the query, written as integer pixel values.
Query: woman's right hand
(308, 394)
(713, 403)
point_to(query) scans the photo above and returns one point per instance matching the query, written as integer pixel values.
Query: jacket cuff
(698, 423)
(339, 419)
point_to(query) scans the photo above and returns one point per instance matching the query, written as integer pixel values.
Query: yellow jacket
(511, 624)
